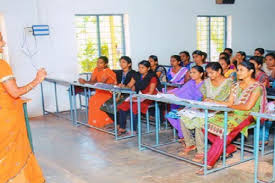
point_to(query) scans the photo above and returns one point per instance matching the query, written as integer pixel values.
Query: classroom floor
(69, 154)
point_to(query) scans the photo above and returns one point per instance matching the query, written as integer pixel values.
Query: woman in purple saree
(177, 74)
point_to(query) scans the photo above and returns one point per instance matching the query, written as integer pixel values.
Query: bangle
(41, 80)
(29, 87)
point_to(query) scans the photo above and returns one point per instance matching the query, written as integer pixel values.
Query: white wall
(19, 14)
(158, 27)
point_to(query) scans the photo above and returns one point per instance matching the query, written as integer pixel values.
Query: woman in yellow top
(17, 161)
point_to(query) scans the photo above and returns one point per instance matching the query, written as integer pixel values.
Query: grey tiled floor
(70, 154)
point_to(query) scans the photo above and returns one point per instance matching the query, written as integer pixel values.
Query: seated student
(224, 54)
(126, 74)
(260, 76)
(125, 79)
(177, 74)
(190, 91)
(199, 58)
(238, 58)
(146, 82)
(269, 66)
(259, 52)
(246, 96)
(159, 70)
(204, 56)
(185, 59)
(101, 74)
(228, 73)
(229, 51)
(217, 88)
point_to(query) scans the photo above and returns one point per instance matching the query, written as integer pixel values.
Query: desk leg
(256, 149)
(115, 114)
(263, 139)
(157, 122)
(56, 98)
(147, 121)
(224, 139)
(205, 140)
(166, 111)
(131, 114)
(42, 98)
(86, 104)
(28, 125)
(139, 124)
(242, 147)
(273, 175)
(71, 103)
(74, 106)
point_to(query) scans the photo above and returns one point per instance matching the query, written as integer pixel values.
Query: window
(99, 35)
(211, 35)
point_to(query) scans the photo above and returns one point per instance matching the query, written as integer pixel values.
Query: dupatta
(178, 77)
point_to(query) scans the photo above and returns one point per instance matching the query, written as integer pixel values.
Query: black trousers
(112, 116)
(162, 110)
(123, 119)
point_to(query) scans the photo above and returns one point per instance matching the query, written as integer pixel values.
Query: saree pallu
(263, 78)
(177, 78)
(229, 73)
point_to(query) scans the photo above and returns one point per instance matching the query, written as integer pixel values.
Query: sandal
(187, 150)
(121, 132)
(181, 140)
(265, 143)
(151, 118)
(198, 157)
(229, 156)
(183, 145)
(109, 127)
(201, 170)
